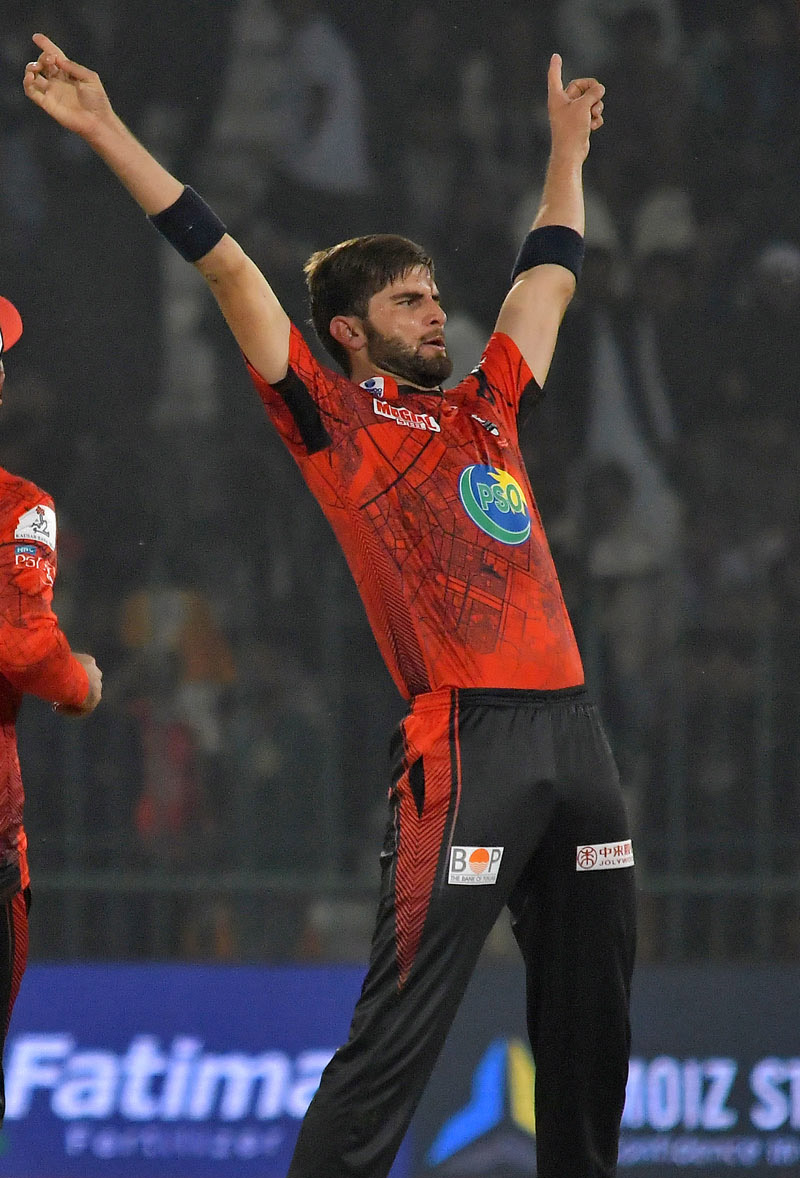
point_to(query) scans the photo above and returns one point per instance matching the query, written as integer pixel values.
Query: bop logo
(474, 865)
(494, 500)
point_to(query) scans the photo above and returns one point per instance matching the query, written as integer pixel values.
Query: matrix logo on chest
(494, 500)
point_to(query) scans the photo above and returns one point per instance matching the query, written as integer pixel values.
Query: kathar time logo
(494, 500)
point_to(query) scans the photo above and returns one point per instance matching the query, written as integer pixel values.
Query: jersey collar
(386, 388)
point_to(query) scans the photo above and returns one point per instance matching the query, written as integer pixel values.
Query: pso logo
(494, 500)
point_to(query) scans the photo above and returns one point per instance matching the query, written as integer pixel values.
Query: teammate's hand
(575, 111)
(94, 693)
(68, 92)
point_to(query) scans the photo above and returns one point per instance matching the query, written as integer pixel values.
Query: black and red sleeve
(300, 405)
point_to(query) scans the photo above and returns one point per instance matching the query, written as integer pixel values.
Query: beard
(390, 354)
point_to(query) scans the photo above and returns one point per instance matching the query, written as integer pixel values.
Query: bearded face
(425, 364)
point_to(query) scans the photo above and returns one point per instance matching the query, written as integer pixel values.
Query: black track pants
(520, 779)
(13, 959)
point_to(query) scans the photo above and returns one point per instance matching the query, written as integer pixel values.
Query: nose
(437, 314)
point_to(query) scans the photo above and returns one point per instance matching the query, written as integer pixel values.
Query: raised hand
(575, 111)
(68, 92)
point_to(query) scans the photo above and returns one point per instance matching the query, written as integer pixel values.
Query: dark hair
(342, 280)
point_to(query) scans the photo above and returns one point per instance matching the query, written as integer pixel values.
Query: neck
(361, 372)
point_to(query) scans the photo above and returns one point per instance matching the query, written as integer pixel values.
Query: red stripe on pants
(19, 934)
(421, 835)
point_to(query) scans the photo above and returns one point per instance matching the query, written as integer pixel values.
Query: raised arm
(534, 307)
(75, 97)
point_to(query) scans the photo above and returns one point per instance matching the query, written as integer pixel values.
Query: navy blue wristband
(190, 225)
(550, 245)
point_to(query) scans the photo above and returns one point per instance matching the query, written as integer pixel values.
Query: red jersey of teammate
(34, 654)
(428, 496)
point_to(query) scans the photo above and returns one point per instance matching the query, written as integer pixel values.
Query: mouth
(436, 342)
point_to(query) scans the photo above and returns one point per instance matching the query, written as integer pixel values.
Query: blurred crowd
(246, 715)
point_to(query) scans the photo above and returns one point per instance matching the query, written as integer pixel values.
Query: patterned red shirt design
(34, 654)
(429, 498)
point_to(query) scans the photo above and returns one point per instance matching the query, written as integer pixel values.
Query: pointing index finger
(554, 83)
(46, 45)
(60, 60)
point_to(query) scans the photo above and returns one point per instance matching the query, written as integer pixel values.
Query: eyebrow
(416, 295)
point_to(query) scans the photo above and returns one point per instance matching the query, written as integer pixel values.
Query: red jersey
(429, 498)
(34, 654)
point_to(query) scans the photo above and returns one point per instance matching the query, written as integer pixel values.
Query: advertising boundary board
(128, 1071)
(713, 1089)
(201, 1071)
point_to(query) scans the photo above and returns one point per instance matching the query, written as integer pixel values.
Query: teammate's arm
(35, 656)
(534, 307)
(75, 97)
(72, 682)
(92, 698)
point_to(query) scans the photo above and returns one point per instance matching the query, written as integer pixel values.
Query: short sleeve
(505, 376)
(299, 404)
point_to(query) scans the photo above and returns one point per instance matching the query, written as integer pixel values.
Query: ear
(348, 332)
